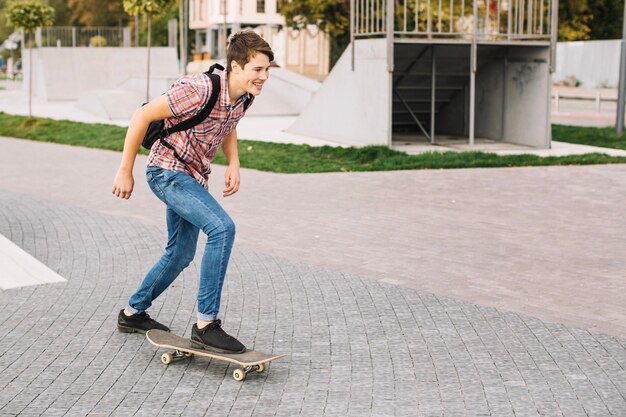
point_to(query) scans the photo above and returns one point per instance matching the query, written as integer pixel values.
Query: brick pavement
(544, 241)
(356, 345)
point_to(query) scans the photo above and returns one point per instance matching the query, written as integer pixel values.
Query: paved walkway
(462, 292)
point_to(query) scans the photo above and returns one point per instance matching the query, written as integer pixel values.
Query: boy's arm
(157, 109)
(231, 178)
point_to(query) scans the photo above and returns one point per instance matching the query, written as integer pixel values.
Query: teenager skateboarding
(178, 169)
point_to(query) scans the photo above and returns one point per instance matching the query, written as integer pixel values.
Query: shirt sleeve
(188, 96)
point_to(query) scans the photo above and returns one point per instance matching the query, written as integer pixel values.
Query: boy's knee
(226, 228)
(229, 227)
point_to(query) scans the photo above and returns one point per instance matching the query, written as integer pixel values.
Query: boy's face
(252, 76)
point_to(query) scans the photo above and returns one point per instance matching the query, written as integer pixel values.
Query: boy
(183, 187)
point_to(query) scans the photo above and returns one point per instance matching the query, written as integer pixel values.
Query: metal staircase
(424, 83)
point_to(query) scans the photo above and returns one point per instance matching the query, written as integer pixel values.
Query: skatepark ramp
(432, 71)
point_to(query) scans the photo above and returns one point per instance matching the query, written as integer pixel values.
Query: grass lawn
(287, 158)
(594, 136)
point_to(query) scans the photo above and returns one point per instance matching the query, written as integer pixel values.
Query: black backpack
(157, 131)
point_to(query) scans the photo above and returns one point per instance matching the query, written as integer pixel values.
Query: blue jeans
(190, 208)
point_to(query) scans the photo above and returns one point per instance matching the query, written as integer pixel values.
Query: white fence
(83, 36)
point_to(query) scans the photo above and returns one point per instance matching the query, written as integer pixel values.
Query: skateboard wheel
(260, 367)
(188, 354)
(239, 374)
(166, 358)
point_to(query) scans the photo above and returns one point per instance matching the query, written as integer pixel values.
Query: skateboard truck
(239, 374)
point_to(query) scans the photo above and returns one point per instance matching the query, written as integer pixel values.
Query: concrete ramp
(352, 107)
(111, 104)
(285, 93)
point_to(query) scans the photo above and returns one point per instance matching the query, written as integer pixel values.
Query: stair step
(421, 100)
(438, 88)
(428, 74)
(406, 113)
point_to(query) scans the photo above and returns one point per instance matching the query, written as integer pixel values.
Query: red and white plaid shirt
(198, 145)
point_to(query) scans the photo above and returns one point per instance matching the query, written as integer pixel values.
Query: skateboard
(250, 360)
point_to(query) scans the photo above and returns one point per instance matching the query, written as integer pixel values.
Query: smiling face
(252, 76)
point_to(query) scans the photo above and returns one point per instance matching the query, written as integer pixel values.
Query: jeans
(190, 208)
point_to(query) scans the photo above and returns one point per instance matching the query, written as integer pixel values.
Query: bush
(97, 41)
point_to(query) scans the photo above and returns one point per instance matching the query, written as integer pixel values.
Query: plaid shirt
(198, 145)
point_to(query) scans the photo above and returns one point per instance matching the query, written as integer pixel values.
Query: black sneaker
(138, 323)
(213, 338)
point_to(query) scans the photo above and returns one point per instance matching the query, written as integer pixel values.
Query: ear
(235, 66)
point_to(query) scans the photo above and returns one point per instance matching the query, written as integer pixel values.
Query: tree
(607, 19)
(574, 19)
(331, 16)
(29, 15)
(148, 8)
(96, 12)
(61, 13)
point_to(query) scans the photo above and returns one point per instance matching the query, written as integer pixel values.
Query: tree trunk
(181, 37)
(148, 78)
(30, 81)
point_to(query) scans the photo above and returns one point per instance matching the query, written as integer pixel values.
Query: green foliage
(607, 19)
(159, 31)
(30, 15)
(148, 7)
(331, 16)
(97, 41)
(95, 12)
(574, 20)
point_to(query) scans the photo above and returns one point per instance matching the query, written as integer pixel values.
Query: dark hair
(243, 45)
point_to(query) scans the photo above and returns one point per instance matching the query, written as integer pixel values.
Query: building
(435, 71)
(305, 52)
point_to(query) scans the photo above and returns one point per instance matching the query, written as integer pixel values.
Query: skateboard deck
(250, 360)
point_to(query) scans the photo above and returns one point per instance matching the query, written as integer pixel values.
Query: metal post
(136, 29)
(619, 127)
(554, 33)
(433, 96)
(390, 34)
(557, 100)
(352, 19)
(474, 53)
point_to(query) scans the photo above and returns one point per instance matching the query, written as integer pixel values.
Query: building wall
(582, 59)
(307, 52)
(204, 14)
(65, 73)
(527, 90)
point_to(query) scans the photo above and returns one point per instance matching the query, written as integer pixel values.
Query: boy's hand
(231, 179)
(123, 184)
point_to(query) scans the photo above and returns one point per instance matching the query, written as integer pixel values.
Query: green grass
(288, 158)
(594, 136)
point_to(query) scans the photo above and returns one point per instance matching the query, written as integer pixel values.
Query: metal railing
(479, 19)
(83, 36)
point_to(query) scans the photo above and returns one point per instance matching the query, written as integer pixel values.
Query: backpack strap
(219, 67)
(193, 121)
(204, 113)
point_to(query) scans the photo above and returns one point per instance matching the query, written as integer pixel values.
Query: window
(260, 6)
